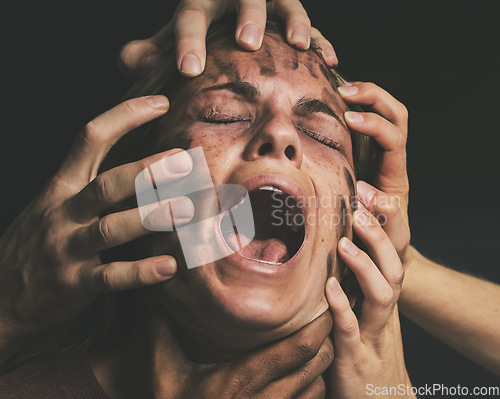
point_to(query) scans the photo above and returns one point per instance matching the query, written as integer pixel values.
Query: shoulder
(63, 377)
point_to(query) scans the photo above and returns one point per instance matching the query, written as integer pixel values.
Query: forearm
(459, 309)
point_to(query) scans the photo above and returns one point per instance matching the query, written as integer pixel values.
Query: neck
(148, 356)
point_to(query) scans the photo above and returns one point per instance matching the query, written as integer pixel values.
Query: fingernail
(365, 191)
(348, 90)
(361, 218)
(179, 162)
(158, 102)
(354, 117)
(348, 246)
(191, 65)
(182, 208)
(334, 286)
(300, 37)
(330, 57)
(166, 267)
(250, 34)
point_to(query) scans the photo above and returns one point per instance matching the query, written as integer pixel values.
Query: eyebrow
(312, 105)
(245, 89)
(251, 92)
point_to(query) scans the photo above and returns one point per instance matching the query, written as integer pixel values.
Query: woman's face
(270, 121)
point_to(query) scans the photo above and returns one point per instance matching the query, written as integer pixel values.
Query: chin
(263, 291)
(272, 313)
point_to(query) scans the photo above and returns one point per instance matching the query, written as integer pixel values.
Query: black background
(441, 59)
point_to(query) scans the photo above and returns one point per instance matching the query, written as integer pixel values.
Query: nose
(275, 137)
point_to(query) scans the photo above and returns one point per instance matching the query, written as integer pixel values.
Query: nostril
(290, 152)
(265, 149)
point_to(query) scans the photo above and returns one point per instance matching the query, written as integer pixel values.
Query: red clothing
(61, 378)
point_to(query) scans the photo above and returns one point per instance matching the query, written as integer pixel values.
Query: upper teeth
(270, 188)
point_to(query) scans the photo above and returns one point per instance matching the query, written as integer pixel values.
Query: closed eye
(213, 116)
(321, 139)
(224, 119)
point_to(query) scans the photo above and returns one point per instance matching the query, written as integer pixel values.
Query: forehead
(304, 70)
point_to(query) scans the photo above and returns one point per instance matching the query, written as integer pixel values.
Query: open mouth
(279, 227)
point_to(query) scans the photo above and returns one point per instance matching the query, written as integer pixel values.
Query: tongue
(270, 250)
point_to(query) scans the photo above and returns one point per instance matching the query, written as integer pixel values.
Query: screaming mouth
(279, 227)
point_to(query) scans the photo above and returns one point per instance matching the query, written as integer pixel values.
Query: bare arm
(459, 309)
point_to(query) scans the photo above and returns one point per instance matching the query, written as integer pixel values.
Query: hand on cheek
(387, 123)
(368, 348)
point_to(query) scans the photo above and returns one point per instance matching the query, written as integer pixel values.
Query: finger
(118, 184)
(379, 100)
(298, 24)
(380, 248)
(304, 376)
(379, 299)
(191, 24)
(345, 324)
(326, 47)
(390, 213)
(121, 227)
(315, 390)
(251, 23)
(389, 136)
(97, 137)
(288, 354)
(139, 56)
(119, 276)
(392, 176)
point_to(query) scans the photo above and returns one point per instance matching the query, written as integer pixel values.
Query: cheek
(334, 212)
(221, 151)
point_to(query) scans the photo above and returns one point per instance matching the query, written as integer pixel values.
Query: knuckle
(90, 133)
(306, 348)
(189, 39)
(47, 216)
(400, 141)
(378, 235)
(103, 232)
(349, 328)
(189, 12)
(385, 298)
(369, 87)
(131, 108)
(254, 8)
(399, 275)
(326, 354)
(402, 111)
(104, 278)
(138, 277)
(299, 17)
(103, 189)
(304, 376)
(389, 205)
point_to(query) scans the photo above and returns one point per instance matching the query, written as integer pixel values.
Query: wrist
(412, 263)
